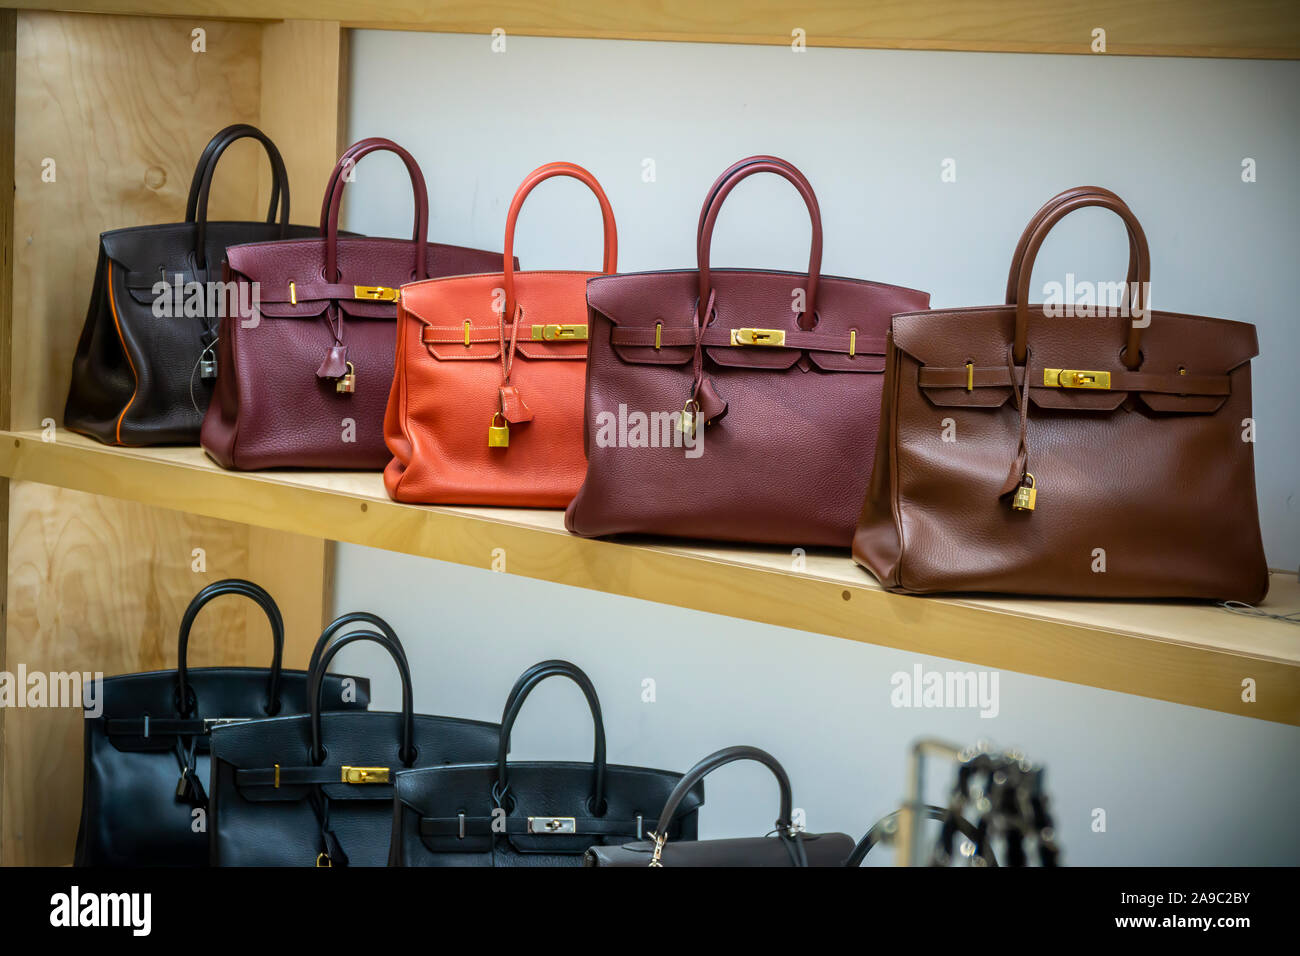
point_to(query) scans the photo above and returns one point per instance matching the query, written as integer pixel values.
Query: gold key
(347, 382)
(1026, 495)
(498, 435)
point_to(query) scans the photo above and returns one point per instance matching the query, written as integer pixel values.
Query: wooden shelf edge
(1115, 647)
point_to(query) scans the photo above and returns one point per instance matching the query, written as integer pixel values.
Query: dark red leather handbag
(731, 403)
(304, 374)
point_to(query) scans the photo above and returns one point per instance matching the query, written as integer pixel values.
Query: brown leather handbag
(304, 375)
(486, 408)
(733, 404)
(1099, 455)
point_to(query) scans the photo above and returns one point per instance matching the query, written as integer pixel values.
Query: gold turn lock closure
(1075, 378)
(376, 293)
(559, 333)
(498, 435)
(1026, 495)
(774, 337)
(364, 774)
(552, 825)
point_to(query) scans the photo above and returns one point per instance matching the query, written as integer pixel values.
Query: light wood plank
(1188, 653)
(1249, 28)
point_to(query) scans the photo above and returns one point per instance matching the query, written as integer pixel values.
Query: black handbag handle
(931, 812)
(205, 160)
(186, 701)
(515, 702)
(720, 759)
(316, 680)
(345, 620)
(278, 174)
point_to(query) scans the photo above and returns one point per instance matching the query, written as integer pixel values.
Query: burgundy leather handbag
(304, 374)
(1102, 454)
(734, 404)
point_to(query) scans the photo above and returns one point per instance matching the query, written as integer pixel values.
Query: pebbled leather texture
(443, 816)
(270, 408)
(274, 802)
(785, 848)
(135, 376)
(451, 380)
(130, 812)
(787, 455)
(1150, 476)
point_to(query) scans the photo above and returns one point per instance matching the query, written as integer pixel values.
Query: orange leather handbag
(487, 400)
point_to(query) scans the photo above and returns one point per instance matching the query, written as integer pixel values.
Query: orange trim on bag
(112, 304)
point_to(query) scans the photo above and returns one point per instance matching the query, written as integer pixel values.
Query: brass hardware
(293, 293)
(498, 435)
(1075, 378)
(1182, 370)
(686, 425)
(853, 342)
(1026, 495)
(559, 333)
(277, 776)
(467, 333)
(325, 857)
(660, 840)
(376, 293)
(774, 337)
(364, 774)
(970, 376)
(347, 383)
(552, 825)
(659, 335)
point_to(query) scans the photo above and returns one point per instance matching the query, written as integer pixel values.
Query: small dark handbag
(293, 791)
(521, 813)
(139, 378)
(146, 756)
(789, 847)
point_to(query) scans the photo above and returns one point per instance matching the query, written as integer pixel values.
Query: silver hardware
(461, 817)
(552, 825)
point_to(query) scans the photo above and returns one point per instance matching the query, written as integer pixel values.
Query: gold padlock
(686, 425)
(498, 435)
(347, 382)
(1026, 495)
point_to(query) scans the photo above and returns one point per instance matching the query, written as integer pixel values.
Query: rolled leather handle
(335, 200)
(347, 620)
(717, 184)
(185, 700)
(232, 132)
(279, 175)
(345, 162)
(713, 205)
(872, 836)
(515, 702)
(316, 681)
(1017, 258)
(531, 181)
(719, 759)
(1137, 239)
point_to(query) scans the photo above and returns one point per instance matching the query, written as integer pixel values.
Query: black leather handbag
(317, 789)
(140, 378)
(503, 813)
(146, 754)
(789, 847)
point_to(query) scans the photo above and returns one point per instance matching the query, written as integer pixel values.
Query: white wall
(870, 129)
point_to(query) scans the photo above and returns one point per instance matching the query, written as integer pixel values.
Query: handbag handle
(709, 216)
(717, 184)
(531, 181)
(719, 759)
(1017, 258)
(205, 160)
(523, 687)
(335, 193)
(279, 177)
(316, 680)
(929, 811)
(1137, 241)
(346, 161)
(346, 620)
(186, 701)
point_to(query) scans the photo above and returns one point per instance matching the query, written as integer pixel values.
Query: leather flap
(749, 357)
(871, 361)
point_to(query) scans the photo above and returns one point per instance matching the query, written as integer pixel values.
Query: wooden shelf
(1262, 29)
(1187, 653)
